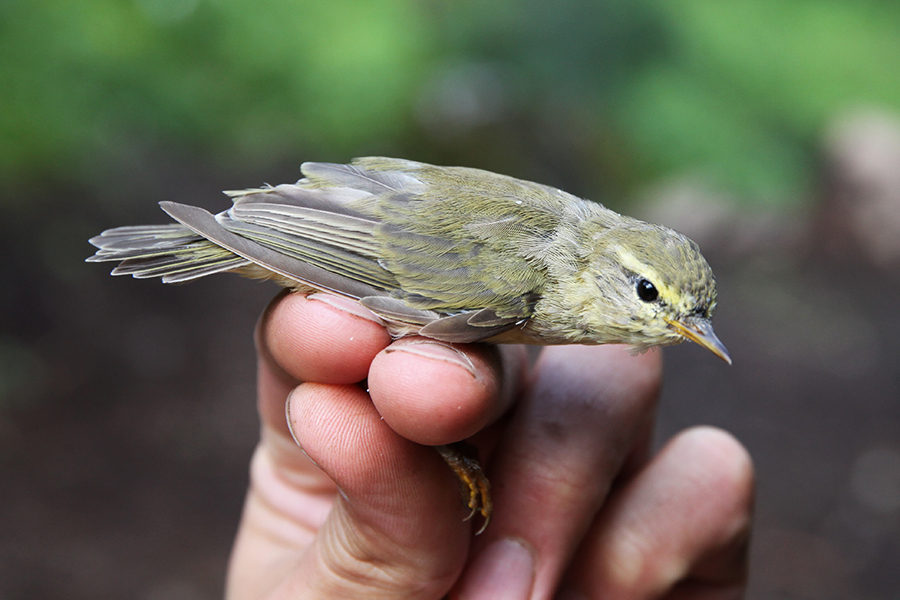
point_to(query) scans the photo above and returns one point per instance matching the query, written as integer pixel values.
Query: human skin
(347, 501)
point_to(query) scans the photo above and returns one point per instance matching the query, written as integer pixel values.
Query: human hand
(580, 508)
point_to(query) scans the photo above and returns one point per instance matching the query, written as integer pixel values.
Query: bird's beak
(701, 332)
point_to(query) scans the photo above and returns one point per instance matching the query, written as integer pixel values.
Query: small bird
(454, 254)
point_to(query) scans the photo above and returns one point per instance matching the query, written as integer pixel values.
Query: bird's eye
(646, 291)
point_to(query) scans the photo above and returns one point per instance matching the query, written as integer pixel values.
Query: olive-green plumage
(451, 253)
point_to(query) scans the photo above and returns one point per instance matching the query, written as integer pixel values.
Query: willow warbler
(449, 253)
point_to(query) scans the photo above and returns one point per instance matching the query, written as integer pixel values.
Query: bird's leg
(474, 484)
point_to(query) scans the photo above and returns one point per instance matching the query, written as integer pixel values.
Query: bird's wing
(294, 251)
(460, 252)
(348, 220)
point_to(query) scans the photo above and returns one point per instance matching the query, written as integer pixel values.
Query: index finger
(316, 338)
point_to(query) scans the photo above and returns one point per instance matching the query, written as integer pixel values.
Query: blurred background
(769, 131)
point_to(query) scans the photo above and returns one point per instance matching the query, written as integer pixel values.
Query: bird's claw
(474, 484)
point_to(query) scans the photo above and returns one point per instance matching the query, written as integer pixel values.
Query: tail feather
(143, 237)
(172, 252)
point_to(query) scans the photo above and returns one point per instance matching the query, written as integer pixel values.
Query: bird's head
(655, 287)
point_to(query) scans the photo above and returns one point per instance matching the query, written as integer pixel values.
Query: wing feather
(206, 225)
(353, 233)
(374, 175)
(468, 327)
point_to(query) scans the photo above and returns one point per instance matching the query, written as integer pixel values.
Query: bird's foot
(474, 484)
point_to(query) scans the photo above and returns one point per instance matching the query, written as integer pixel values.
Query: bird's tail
(172, 252)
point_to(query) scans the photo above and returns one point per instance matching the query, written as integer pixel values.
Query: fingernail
(503, 571)
(348, 305)
(435, 351)
(290, 422)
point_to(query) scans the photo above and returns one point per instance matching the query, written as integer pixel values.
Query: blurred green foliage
(749, 86)
(635, 90)
(80, 81)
